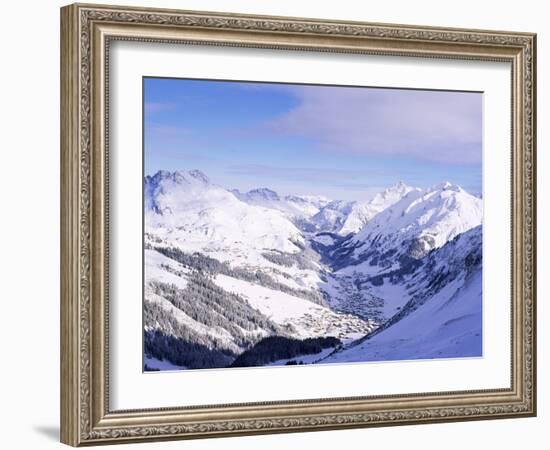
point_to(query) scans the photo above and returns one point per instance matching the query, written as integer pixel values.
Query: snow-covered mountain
(298, 208)
(441, 312)
(199, 313)
(347, 217)
(332, 216)
(362, 212)
(212, 259)
(421, 221)
(225, 270)
(185, 208)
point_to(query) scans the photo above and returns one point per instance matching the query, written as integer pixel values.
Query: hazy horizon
(368, 194)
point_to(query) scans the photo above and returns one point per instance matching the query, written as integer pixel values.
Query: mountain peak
(160, 175)
(199, 176)
(400, 187)
(391, 195)
(400, 184)
(421, 221)
(264, 193)
(446, 186)
(180, 177)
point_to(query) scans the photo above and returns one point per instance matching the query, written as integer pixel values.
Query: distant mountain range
(396, 277)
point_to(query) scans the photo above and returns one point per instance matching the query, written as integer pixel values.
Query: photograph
(287, 220)
(298, 224)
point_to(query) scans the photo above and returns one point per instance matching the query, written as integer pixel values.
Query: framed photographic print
(276, 224)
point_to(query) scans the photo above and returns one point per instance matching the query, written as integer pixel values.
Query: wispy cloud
(430, 125)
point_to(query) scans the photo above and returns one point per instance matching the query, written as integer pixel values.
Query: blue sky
(342, 142)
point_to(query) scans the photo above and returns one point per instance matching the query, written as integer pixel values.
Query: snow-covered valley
(259, 278)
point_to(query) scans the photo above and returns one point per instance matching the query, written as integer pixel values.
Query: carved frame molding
(86, 31)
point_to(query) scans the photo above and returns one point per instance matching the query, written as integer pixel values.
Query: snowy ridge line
(312, 267)
(442, 289)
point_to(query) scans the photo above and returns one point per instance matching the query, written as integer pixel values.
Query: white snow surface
(260, 231)
(345, 295)
(183, 319)
(293, 206)
(448, 325)
(154, 262)
(185, 208)
(445, 321)
(323, 239)
(332, 216)
(156, 269)
(441, 212)
(307, 318)
(362, 212)
(417, 224)
(161, 364)
(347, 217)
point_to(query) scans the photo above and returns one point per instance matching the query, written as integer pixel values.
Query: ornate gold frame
(86, 31)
